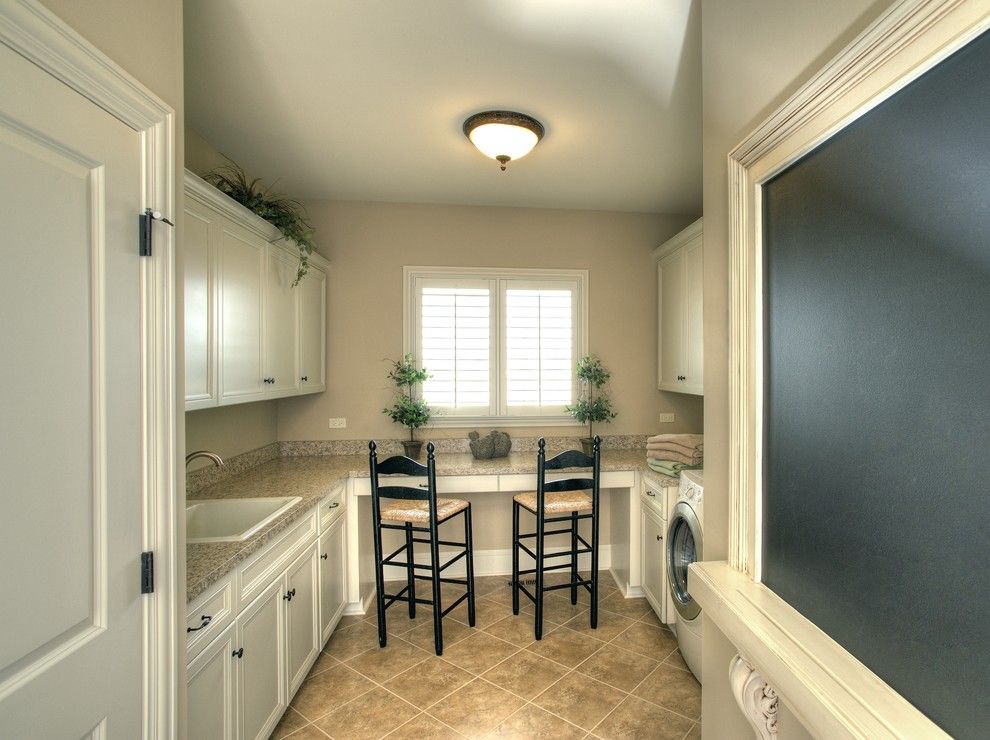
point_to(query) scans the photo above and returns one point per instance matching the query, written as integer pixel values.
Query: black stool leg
(515, 558)
(380, 586)
(539, 575)
(574, 556)
(594, 569)
(469, 544)
(435, 573)
(410, 570)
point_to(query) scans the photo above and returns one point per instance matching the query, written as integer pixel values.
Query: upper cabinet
(249, 334)
(680, 325)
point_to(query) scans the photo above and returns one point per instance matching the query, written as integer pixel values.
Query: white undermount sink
(232, 519)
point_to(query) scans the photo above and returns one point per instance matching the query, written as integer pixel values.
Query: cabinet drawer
(333, 506)
(208, 615)
(654, 499)
(259, 571)
(447, 485)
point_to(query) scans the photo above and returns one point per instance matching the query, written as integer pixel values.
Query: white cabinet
(302, 622)
(249, 334)
(211, 692)
(312, 331)
(260, 663)
(333, 557)
(680, 325)
(654, 580)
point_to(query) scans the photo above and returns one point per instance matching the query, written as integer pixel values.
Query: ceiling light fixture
(503, 135)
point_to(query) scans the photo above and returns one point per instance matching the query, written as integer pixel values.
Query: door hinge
(147, 572)
(144, 230)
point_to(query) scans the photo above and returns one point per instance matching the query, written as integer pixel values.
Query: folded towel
(669, 467)
(675, 456)
(674, 446)
(685, 440)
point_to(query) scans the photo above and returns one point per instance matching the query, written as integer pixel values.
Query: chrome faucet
(217, 460)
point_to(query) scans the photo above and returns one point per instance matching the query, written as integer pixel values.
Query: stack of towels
(669, 454)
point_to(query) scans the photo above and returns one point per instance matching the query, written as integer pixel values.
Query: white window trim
(497, 416)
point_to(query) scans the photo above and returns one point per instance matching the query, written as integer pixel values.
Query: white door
(653, 565)
(693, 349)
(670, 283)
(281, 349)
(242, 260)
(199, 265)
(210, 694)
(261, 697)
(333, 570)
(302, 643)
(312, 330)
(71, 522)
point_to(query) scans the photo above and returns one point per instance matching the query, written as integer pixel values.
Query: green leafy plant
(589, 407)
(408, 410)
(285, 214)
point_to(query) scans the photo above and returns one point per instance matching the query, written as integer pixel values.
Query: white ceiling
(364, 99)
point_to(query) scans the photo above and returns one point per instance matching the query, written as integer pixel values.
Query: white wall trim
(687, 235)
(41, 37)
(834, 694)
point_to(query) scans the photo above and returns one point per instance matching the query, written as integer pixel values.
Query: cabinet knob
(205, 620)
(239, 653)
(659, 538)
(324, 556)
(304, 378)
(682, 377)
(289, 594)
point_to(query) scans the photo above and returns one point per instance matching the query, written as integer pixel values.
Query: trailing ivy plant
(408, 410)
(285, 214)
(589, 407)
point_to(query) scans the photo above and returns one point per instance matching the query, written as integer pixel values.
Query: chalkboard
(877, 390)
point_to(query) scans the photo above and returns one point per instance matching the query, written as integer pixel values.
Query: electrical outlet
(338, 423)
(666, 418)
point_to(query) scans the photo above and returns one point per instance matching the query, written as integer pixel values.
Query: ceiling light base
(503, 160)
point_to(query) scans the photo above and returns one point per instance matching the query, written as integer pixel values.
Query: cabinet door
(312, 331)
(333, 567)
(199, 306)
(693, 349)
(281, 324)
(670, 285)
(242, 256)
(261, 693)
(210, 703)
(653, 563)
(302, 621)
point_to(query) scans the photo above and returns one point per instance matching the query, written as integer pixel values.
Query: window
(501, 345)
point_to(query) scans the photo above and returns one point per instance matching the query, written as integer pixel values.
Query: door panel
(281, 324)
(312, 330)
(70, 442)
(198, 258)
(670, 282)
(302, 616)
(261, 697)
(693, 318)
(333, 569)
(242, 257)
(210, 693)
(653, 562)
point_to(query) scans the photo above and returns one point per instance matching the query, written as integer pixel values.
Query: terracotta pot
(412, 448)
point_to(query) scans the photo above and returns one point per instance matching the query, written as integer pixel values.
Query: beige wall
(755, 53)
(368, 244)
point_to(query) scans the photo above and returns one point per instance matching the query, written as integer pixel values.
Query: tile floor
(624, 680)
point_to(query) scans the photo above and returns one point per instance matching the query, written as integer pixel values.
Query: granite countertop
(312, 478)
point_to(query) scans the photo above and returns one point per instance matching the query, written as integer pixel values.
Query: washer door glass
(683, 548)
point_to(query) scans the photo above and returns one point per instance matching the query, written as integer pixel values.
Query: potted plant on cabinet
(589, 407)
(408, 410)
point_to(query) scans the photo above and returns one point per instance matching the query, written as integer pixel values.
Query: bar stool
(417, 511)
(553, 502)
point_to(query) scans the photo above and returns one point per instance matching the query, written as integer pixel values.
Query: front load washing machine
(684, 546)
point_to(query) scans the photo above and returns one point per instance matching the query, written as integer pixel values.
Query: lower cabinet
(212, 696)
(302, 623)
(333, 553)
(259, 662)
(653, 558)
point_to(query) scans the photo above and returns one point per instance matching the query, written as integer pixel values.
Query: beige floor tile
(525, 674)
(345, 643)
(479, 652)
(422, 635)
(368, 717)
(485, 612)
(323, 661)
(348, 620)
(566, 647)
(517, 630)
(609, 625)
(580, 700)
(619, 604)
(476, 709)
(532, 723)
(673, 689)
(329, 690)
(635, 718)
(309, 732)
(381, 664)
(677, 660)
(653, 642)
(484, 585)
(694, 733)
(617, 667)
(290, 722)
(559, 609)
(424, 727)
(651, 618)
(503, 597)
(427, 682)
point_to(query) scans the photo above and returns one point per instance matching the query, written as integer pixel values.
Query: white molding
(755, 697)
(41, 37)
(907, 40)
(826, 687)
(680, 239)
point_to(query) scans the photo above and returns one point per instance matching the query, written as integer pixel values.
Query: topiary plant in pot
(408, 410)
(589, 407)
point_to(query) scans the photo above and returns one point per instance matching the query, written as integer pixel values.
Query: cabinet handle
(206, 619)
(682, 377)
(289, 594)
(239, 653)
(304, 378)
(324, 556)
(659, 538)
(651, 494)
(333, 505)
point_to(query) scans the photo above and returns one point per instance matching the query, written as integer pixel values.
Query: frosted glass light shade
(503, 135)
